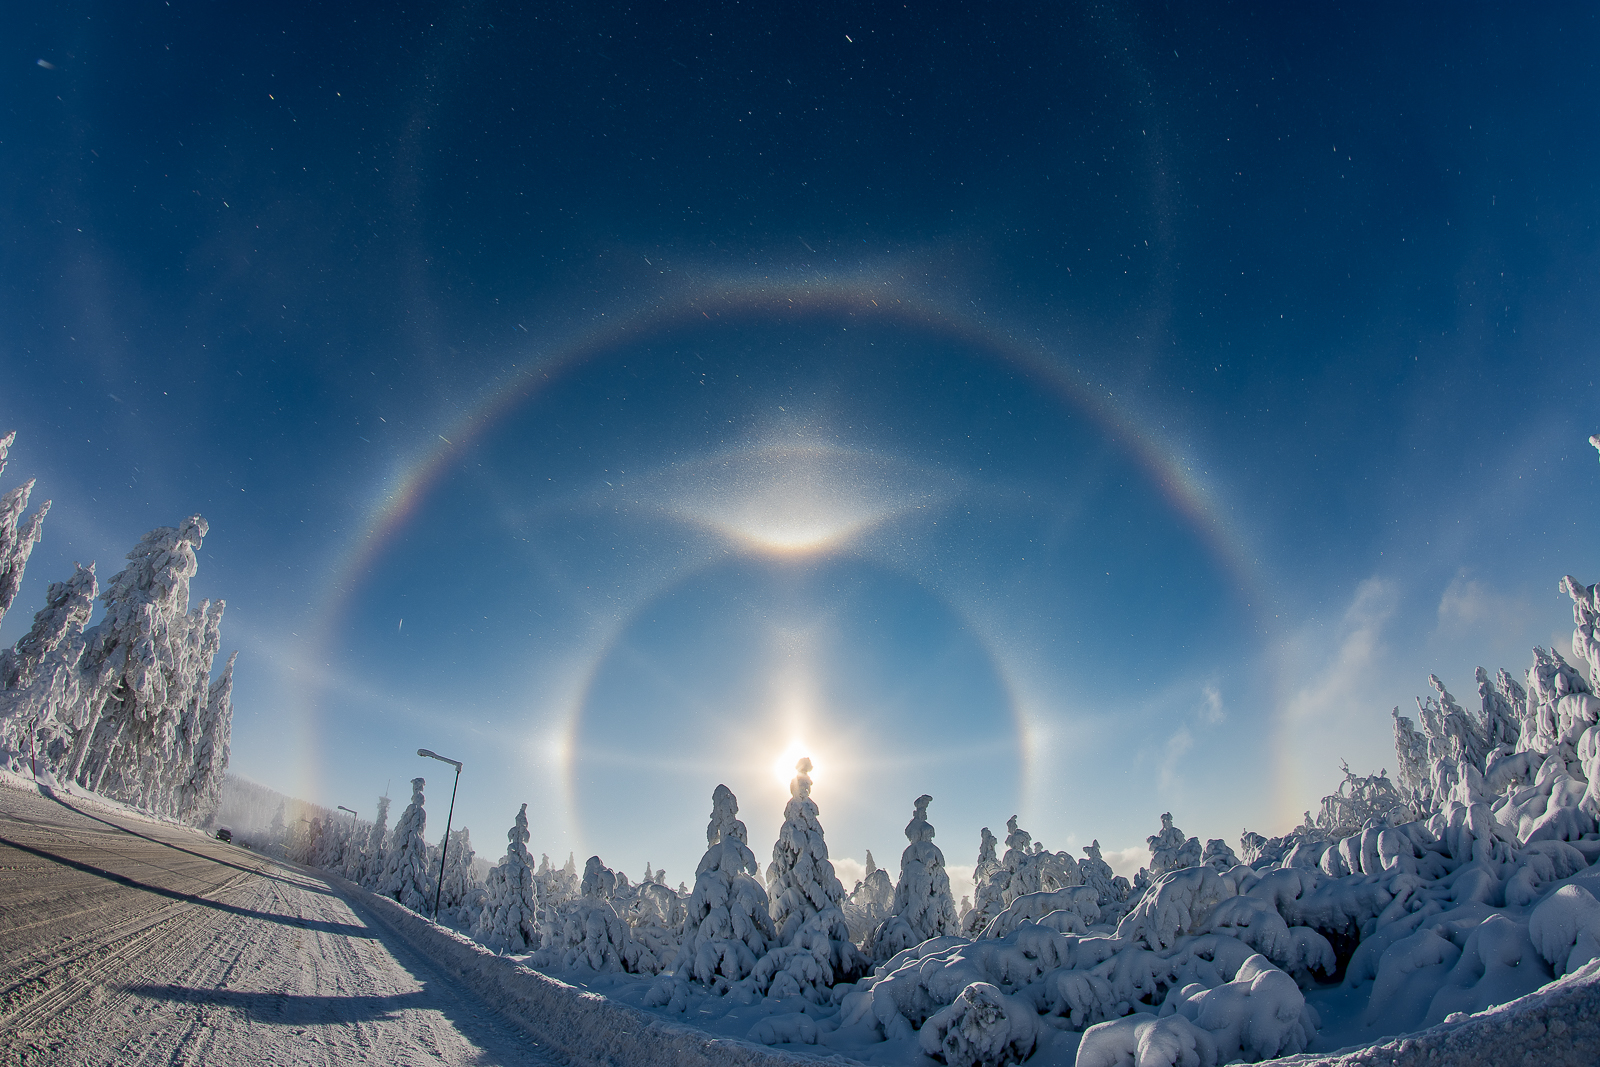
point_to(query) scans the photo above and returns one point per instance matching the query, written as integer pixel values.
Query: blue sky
(1074, 412)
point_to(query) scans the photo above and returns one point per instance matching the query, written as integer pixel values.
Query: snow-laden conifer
(989, 886)
(405, 870)
(208, 763)
(375, 852)
(39, 679)
(461, 894)
(727, 925)
(508, 920)
(800, 879)
(1111, 889)
(17, 538)
(590, 934)
(871, 902)
(814, 950)
(133, 662)
(923, 906)
(655, 917)
(1170, 850)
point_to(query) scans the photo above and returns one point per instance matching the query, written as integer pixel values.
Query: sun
(783, 766)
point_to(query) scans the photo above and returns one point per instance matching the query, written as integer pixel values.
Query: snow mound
(1566, 928)
(1259, 1015)
(1143, 1040)
(982, 1027)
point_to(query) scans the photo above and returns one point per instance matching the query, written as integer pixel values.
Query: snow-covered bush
(923, 907)
(507, 921)
(405, 870)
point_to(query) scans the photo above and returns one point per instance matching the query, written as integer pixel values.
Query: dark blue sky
(1077, 411)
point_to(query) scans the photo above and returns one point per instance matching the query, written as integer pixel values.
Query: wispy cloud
(1338, 703)
(1126, 861)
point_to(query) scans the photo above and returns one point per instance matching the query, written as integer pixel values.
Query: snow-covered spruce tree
(375, 853)
(1112, 888)
(508, 921)
(311, 846)
(591, 935)
(989, 886)
(871, 902)
(17, 538)
(132, 662)
(462, 893)
(558, 887)
(1027, 867)
(277, 832)
(1501, 702)
(144, 686)
(405, 870)
(164, 790)
(655, 918)
(814, 951)
(1031, 868)
(1170, 850)
(727, 924)
(39, 677)
(208, 764)
(923, 906)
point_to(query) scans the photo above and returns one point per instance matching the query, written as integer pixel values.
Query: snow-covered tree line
(127, 707)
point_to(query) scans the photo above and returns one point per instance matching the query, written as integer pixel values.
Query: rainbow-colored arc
(730, 300)
(1161, 459)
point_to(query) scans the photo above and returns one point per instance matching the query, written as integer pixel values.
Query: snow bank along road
(123, 941)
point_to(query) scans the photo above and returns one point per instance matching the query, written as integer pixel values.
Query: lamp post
(444, 845)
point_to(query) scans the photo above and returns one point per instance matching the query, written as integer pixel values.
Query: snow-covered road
(126, 942)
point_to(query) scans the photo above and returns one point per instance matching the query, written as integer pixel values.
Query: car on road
(225, 834)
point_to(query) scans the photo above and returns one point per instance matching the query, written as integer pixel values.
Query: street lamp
(444, 845)
(352, 812)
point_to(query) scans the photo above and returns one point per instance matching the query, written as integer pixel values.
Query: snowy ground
(126, 941)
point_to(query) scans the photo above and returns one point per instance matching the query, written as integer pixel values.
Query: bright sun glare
(783, 765)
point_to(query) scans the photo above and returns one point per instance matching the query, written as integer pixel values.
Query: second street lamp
(444, 844)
